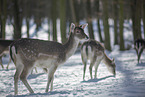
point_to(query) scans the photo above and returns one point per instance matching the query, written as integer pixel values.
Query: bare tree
(17, 20)
(63, 20)
(106, 25)
(98, 19)
(121, 21)
(144, 17)
(136, 18)
(115, 13)
(53, 12)
(3, 17)
(89, 19)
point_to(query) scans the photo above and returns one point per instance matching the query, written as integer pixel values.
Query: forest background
(16, 12)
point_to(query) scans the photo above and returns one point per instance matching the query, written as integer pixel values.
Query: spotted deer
(139, 46)
(95, 52)
(4, 49)
(28, 53)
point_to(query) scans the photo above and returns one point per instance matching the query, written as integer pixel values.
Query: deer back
(32, 49)
(92, 48)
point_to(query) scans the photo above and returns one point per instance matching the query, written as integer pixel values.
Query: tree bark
(106, 25)
(99, 30)
(63, 20)
(89, 20)
(115, 3)
(144, 17)
(121, 21)
(54, 20)
(48, 29)
(98, 20)
(136, 18)
(3, 17)
(71, 2)
(17, 21)
(0, 18)
(28, 27)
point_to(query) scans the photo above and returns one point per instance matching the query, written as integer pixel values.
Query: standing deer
(94, 51)
(28, 53)
(4, 49)
(139, 46)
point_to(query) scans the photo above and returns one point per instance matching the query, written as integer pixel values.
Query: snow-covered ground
(68, 82)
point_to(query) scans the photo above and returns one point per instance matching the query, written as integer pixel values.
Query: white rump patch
(90, 53)
(13, 51)
(84, 52)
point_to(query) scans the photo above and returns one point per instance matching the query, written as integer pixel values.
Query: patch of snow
(68, 81)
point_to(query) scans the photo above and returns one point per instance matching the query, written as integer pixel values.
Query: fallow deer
(28, 53)
(139, 46)
(4, 49)
(95, 52)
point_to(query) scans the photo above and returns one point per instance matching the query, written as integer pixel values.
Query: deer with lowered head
(28, 53)
(95, 52)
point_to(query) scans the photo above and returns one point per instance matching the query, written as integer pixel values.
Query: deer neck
(107, 60)
(71, 45)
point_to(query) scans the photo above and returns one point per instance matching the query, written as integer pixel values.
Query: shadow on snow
(96, 80)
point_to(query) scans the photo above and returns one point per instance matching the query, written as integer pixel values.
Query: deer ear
(72, 27)
(83, 26)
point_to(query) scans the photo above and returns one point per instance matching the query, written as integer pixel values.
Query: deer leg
(18, 72)
(9, 63)
(36, 70)
(92, 62)
(23, 78)
(52, 84)
(96, 69)
(90, 68)
(1, 62)
(50, 76)
(84, 61)
(140, 52)
(136, 49)
(85, 65)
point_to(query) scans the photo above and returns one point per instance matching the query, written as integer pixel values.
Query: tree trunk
(136, 18)
(77, 7)
(63, 20)
(0, 18)
(17, 21)
(106, 25)
(48, 29)
(144, 17)
(71, 2)
(98, 20)
(133, 18)
(115, 3)
(99, 30)
(54, 20)
(3, 16)
(89, 19)
(28, 27)
(121, 21)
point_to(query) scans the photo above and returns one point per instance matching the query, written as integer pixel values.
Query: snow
(129, 80)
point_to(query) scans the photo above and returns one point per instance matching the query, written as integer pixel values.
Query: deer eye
(78, 31)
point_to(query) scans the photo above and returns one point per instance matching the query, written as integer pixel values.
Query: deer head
(78, 32)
